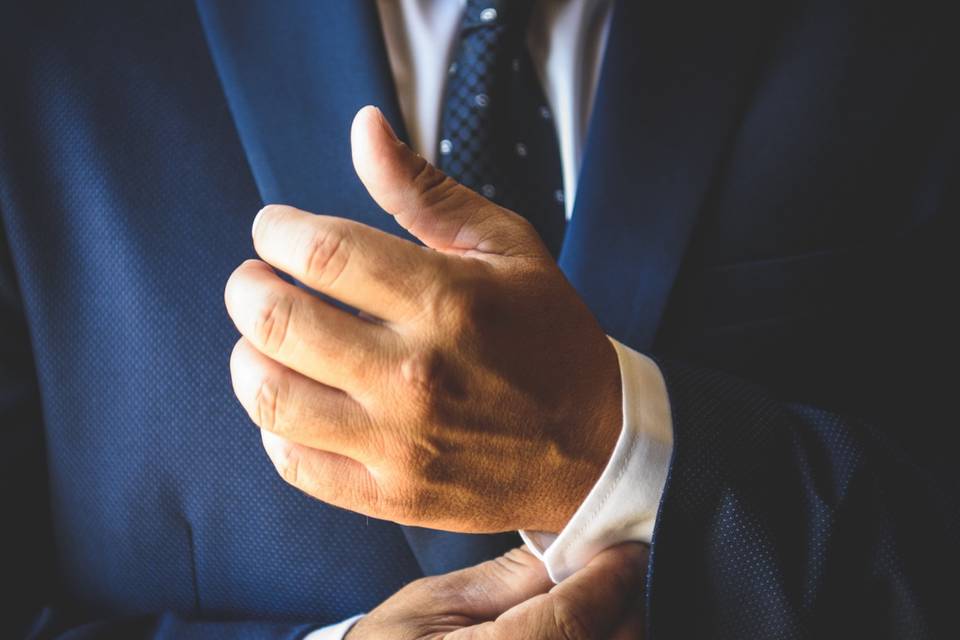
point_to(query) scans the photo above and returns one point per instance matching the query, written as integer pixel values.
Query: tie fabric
(497, 134)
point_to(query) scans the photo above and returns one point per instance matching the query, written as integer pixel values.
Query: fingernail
(256, 219)
(386, 125)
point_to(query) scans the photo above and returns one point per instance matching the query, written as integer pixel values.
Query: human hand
(512, 598)
(476, 392)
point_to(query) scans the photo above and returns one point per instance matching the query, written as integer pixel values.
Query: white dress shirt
(567, 39)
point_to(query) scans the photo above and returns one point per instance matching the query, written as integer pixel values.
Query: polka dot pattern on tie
(497, 135)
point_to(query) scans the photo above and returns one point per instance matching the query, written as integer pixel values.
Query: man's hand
(511, 598)
(474, 392)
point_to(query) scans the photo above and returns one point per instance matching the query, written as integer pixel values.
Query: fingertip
(238, 352)
(244, 375)
(628, 559)
(256, 220)
(254, 265)
(372, 115)
(277, 448)
(236, 357)
(378, 155)
(361, 120)
(368, 123)
(266, 212)
(360, 143)
(366, 111)
(236, 292)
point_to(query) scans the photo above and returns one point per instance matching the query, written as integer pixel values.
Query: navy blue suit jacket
(763, 207)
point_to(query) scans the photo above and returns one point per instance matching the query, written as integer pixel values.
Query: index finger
(607, 588)
(592, 603)
(366, 268)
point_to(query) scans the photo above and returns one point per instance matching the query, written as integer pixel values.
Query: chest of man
(737, 186)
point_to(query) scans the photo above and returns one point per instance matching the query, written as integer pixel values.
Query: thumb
(442, 213)
(600, 599)
(488, 589)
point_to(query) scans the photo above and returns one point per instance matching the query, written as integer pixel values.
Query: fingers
(293, 406)
(593, 603)
(597, 598)
(364, 267)
(489, 588)
(302, 332)
(330, 477)
(439, 211)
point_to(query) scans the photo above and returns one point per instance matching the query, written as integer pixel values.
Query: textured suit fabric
(864, 528)
(765, 206)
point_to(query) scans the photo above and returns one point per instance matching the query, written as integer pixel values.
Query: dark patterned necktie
(497, 133)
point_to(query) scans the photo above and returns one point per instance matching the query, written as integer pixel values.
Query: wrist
(596, 427)
(624, 503)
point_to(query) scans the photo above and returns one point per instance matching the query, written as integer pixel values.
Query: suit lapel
(674, 82)
(673, 85)
(294, 74)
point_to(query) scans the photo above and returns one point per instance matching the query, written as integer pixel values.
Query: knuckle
(369, 366)
(290, 471)
(422, 372)
(326, 254)
(424, 486)
(453, 589)
(523, 225)
(516, 562)
(428, 386)
(403, 501)
(272, 326)
(426, 585)
(466, 305)
(430, 185)
(267, 404)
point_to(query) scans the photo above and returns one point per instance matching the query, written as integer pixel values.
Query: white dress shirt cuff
(334, 631)
(622, 505)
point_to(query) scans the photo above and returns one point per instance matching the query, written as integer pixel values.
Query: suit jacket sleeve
(784, 520)
(787, 515)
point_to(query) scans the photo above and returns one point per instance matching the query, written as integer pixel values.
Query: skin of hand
(511, 598)
(474, 391)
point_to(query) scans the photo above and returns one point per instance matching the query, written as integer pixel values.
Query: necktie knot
(509, 15)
